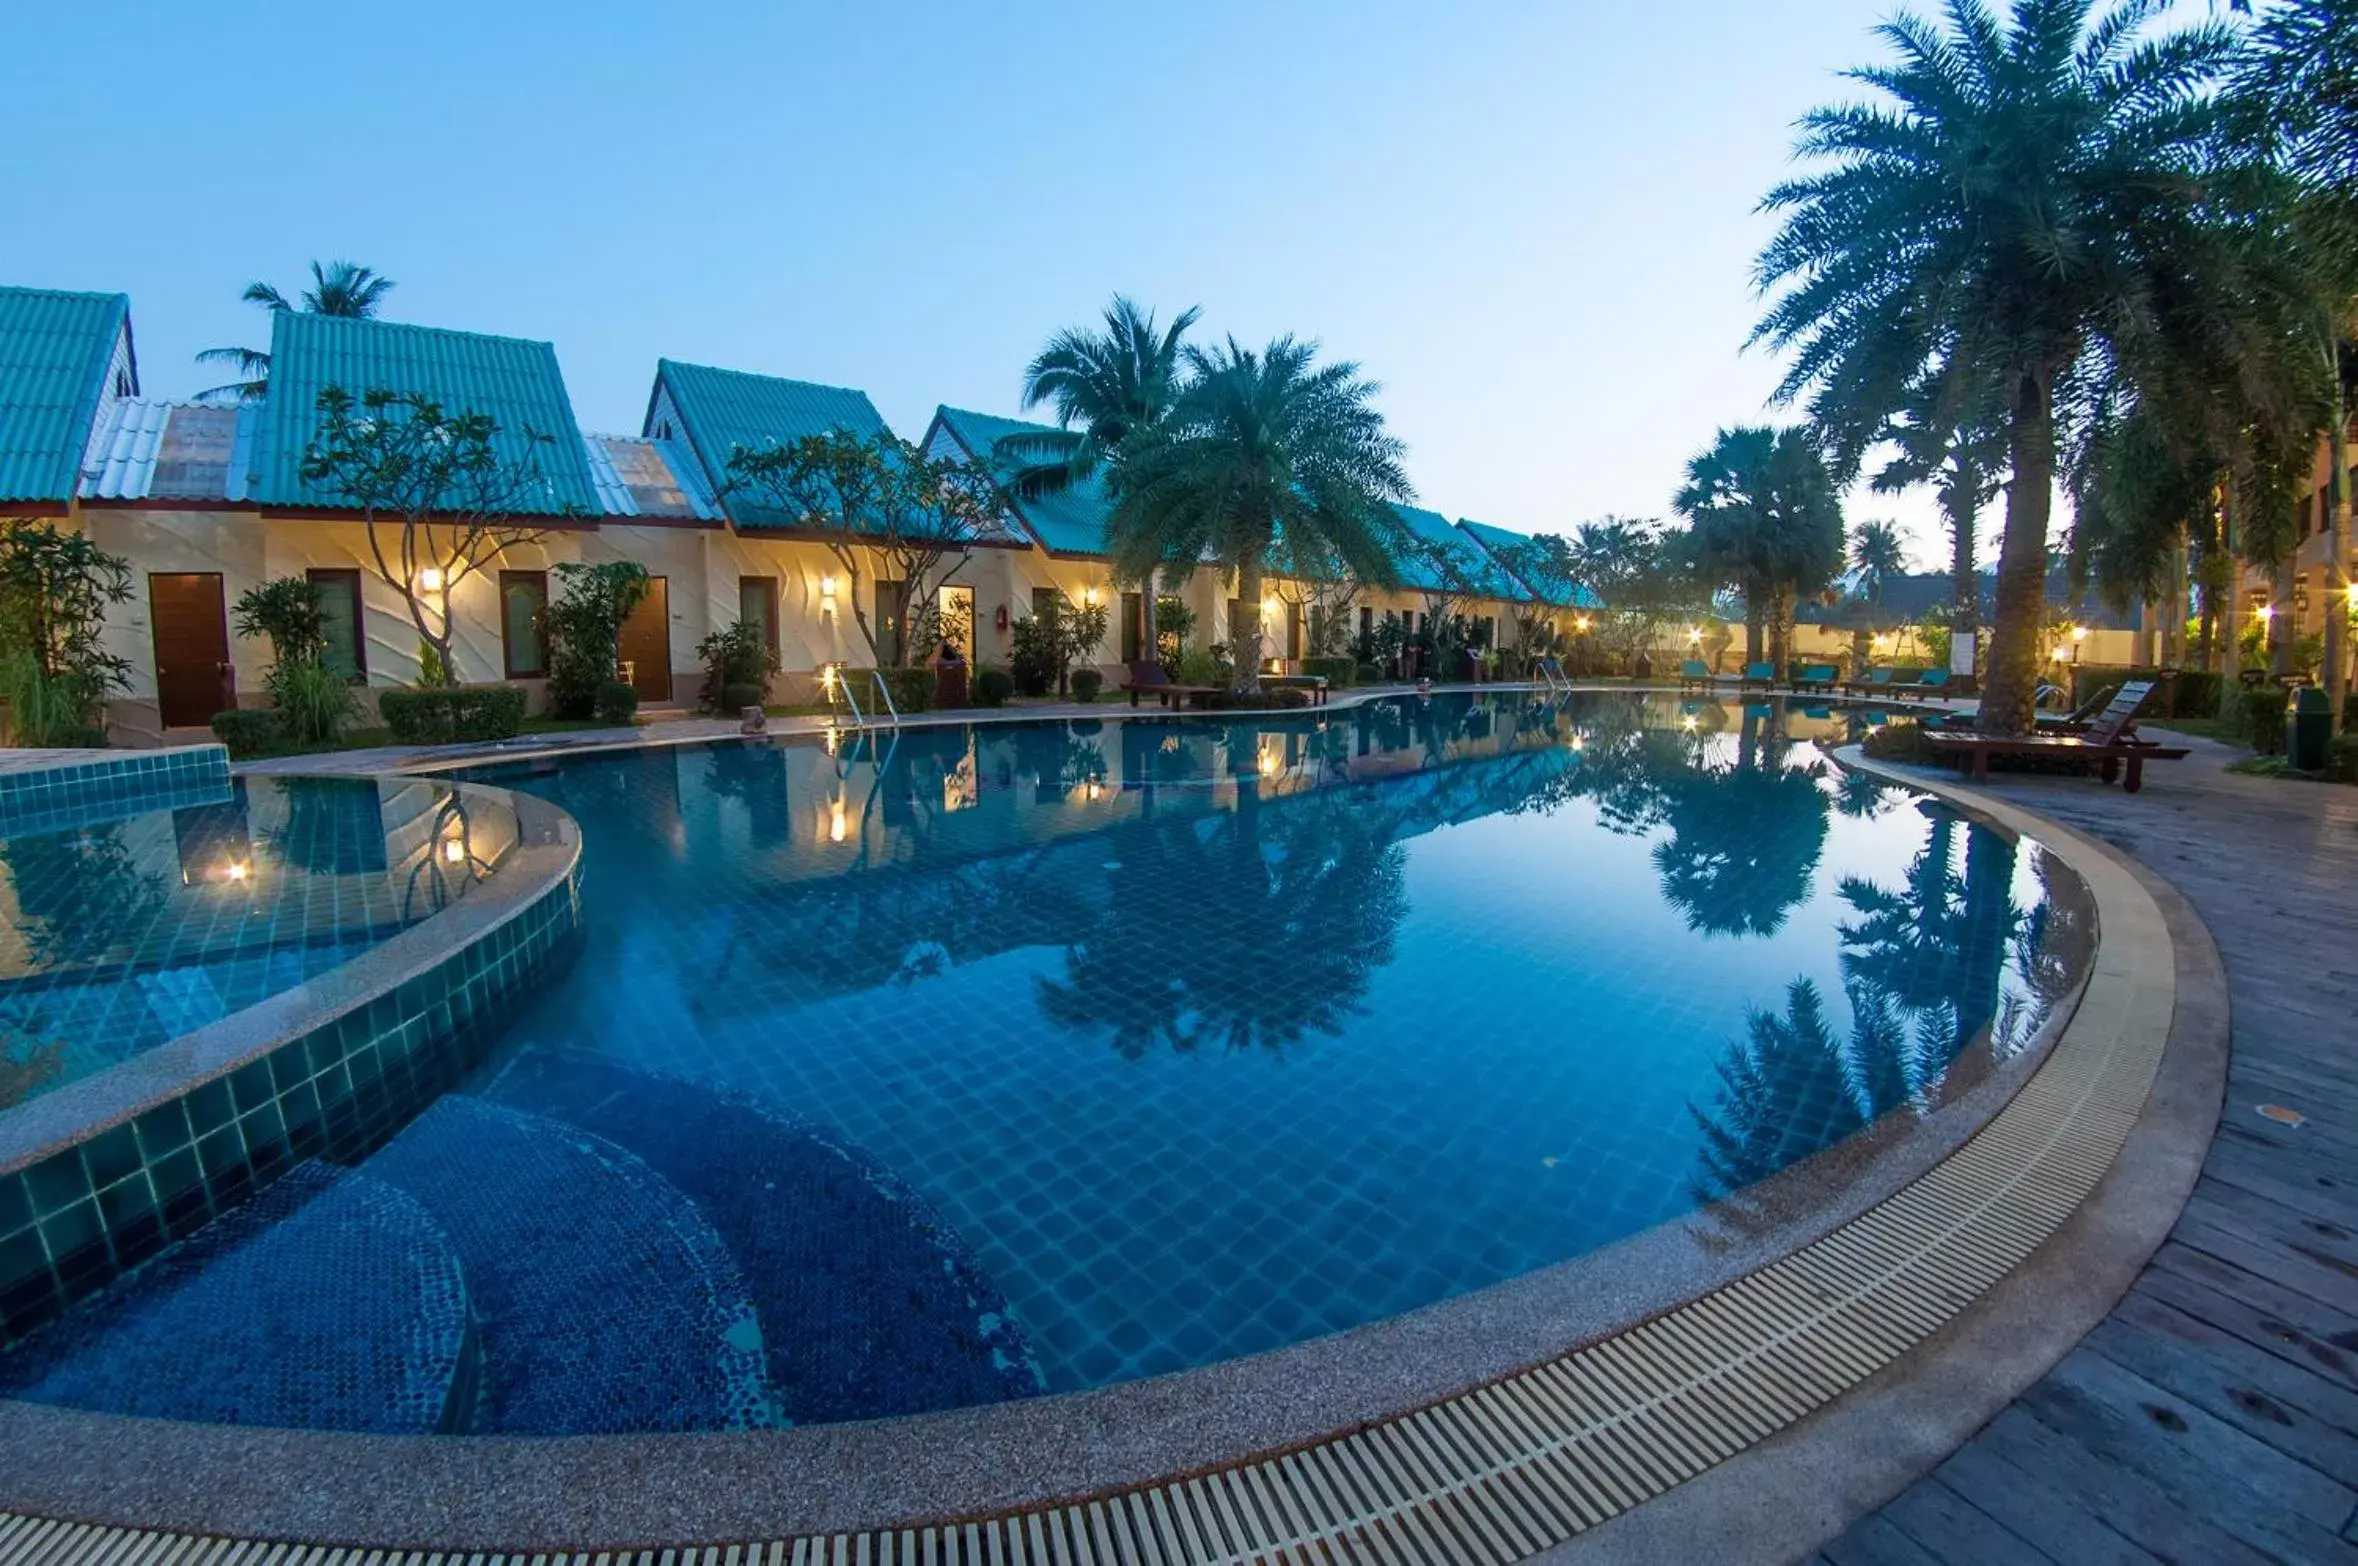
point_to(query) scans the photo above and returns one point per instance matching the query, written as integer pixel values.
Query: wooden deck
(2213, 1417)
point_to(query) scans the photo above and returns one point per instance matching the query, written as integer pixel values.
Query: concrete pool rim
(489, 1493)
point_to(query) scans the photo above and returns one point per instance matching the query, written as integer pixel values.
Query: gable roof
(1511, 553)
(1069, 521)
(1431, 528)
(725, 409)
(513, 380)
(55, 351)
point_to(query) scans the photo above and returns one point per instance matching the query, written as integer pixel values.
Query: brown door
(645, 644)
(193, 676)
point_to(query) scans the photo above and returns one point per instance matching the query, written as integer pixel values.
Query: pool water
(120, 933)
(903, 1071)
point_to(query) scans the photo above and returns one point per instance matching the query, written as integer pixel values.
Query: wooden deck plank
(2213, 1383)
(1955, 1531)
(2031, 1508)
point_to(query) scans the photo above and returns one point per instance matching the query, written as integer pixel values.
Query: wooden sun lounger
(1877, 682)
(2109, 743)
(1932, 682)
(1762, 674)
(1148, 679)
(1817, 677)
(1693, 675)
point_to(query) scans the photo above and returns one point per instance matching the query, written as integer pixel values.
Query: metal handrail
(885, 691)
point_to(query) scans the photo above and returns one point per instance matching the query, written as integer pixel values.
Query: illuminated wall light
(2079, 633)
(454, 851)
(237, 870)
(826, 595)
(431, 580)
(1694, 633)
(2264, 613)
(1090, 597)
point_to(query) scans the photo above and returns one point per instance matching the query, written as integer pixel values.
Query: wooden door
(645, 643)
(194, 679)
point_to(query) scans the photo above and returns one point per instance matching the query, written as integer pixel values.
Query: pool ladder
(842, 686)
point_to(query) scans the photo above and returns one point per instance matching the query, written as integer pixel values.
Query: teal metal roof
(55, 349)
(1432, 528)
(1070, 521)
(1507, 550)
(723, 410)
(514, 381)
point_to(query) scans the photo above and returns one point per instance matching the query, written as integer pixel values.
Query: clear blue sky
(1532, 222)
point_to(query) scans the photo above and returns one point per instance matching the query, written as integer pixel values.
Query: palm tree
(2032, 187)
(1762, 515)
(1255, 445)
(1877, 555)
(342, 288)
(1950, 434)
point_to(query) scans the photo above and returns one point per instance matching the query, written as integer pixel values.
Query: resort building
(207, 501)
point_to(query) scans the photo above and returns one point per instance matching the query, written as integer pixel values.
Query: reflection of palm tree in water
(1936, 948)
(1743, 840)
(81, 896)
(1312, 898)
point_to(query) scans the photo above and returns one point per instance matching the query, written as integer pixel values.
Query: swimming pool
(912, 1070)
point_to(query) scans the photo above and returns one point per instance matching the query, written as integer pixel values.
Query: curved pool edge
(123, 1164)
(1410, 1452)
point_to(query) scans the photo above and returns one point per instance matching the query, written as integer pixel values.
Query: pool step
(331, 1301)
(870, 1304)
(603, 1300)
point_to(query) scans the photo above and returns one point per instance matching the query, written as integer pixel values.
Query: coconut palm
(2030, 190)
(342, 288)
(1257, 444)
(1949, 433)
(1877, 555)
(1763, 517)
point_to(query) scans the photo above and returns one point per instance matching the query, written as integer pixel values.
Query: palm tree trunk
(1245, 639)
(2337, 540)
(1752, 619)
(2230, 644)
(2173, 653)
(2007, 701)
(1150, 646)
(2280, 619)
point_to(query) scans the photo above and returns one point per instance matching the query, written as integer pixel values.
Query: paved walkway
(2213, 1417)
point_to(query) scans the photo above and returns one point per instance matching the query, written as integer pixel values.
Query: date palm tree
(1259, 444)
(1103, 385)
(1949, 433)
(1763, 516)
(2029, 190)
(343, 288)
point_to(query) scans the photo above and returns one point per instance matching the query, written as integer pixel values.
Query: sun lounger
(1762, 675)
(2110, 744)
(1693, 676)
(1148, 679)
(1932, 682)
(1817, 677)
(1877, 682)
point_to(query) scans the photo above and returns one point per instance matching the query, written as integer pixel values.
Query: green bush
(584, 629)
(2259, 717)
(992, 686)
(617, 702)
(1340, 672)
(1901, 742)
(448, 714)
(249, 731)
(912, 689)
(1198, 667)
(2341, 758)
(735, 657)
(1086, 684)
(288, 611)
(313, 702)
(736, 698)
(1367, 674)
(2192, 693)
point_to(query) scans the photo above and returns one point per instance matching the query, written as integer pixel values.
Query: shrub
(735, 658)
(617, 702)
(1901, 742)
(445, 714)
(584, 628)
(1049, 639)
(1339, 672)
(912, 689)
(2259, 717)
(1086, 684)
(1198, 667)
(1286, 697)
(289, 612)
(313, 702)
(54, 590)
(736, 698)
(249, 731)
(2193, 693)
(992, 686)
(2341, 758)
(1366, 674)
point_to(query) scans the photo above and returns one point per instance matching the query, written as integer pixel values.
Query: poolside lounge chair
(1693, 676)
(1932, 682)
(1148, 679)
(1878, 681)
(2110, 743)
(1762, 674)
(1817, 677)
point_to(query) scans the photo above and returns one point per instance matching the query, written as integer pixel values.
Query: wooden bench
(2110, 743)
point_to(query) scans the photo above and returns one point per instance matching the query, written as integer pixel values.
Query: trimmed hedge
(736, 698)
(1367, 674)
(442, 715)
(1341, 673)
(617, 703)
(249, 731)
(992, 686)
(2341, 758)
(1086, 684)
(912, 689)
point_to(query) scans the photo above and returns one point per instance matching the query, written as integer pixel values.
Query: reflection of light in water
(835, 822)
(237, 870)
(454, 851)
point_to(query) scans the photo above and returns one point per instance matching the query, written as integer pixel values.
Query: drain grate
(1526, 1462)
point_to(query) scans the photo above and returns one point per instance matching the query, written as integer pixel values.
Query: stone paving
(2213, 1417)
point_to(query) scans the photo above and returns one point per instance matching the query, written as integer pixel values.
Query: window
(1366, 623)
(339, 607)
(1042, 597)
(757, 601)
(523, 602)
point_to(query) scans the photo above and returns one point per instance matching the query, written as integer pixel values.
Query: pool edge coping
(2025, 823)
